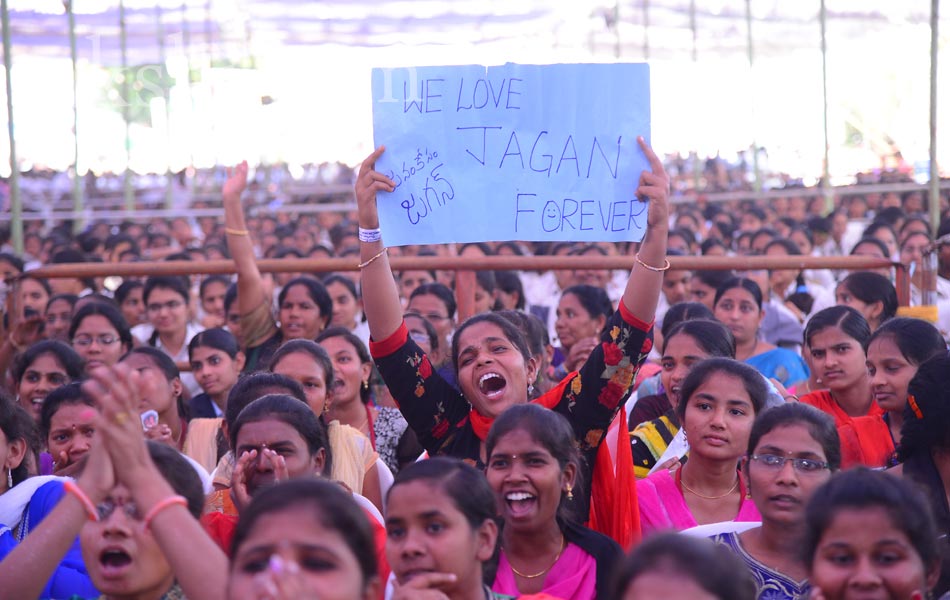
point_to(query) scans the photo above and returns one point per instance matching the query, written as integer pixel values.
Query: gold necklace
(695, 493)
(540, 573)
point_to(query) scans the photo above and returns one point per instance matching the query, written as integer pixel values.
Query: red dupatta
(865, 440)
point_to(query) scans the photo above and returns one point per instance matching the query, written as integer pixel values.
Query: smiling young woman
(533, 469)
(304, 306)
(897, 558)
(895, 352)
(492, 359)
(45, 366)
(924, 450)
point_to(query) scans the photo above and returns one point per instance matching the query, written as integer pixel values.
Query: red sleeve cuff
(632, 320)
(391, 344)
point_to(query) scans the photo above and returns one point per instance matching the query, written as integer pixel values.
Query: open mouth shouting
(114, 562)
(492, 385)
(675, 392)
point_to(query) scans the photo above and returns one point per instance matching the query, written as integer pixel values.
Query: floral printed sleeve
(435, 410)
(591, 397)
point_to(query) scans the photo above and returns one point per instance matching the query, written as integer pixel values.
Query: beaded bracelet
(88, 506)
(162, 505)
(665, 267)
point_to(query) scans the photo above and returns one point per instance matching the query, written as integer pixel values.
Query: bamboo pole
(477, 263)
(16, 207)
(129, 193)
(160, 37)
(826, 163)
(74, 58)
(934, 197)
(750, 48)
(453, 263)
(646, 30)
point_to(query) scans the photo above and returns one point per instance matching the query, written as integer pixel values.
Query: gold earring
(570, 492)
(366, 385)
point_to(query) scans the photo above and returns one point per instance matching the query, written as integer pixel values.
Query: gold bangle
(665, 267)
(236, 231)
(367, 263)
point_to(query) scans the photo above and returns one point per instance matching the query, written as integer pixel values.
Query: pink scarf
(573, 576)
(662, 505)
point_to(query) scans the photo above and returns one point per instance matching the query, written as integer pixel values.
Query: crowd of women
(384, 434)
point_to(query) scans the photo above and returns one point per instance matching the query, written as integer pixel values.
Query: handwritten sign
(516, 152)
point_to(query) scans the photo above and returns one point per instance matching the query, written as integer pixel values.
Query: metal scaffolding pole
(692, 28)
(646, 29)
(129, 193)
(160, 31)
(16, 208)
(186, 48)
(697, 164)
(826, 166)
(617, 49)
(934, 171)
(755, 145)
(73, 55)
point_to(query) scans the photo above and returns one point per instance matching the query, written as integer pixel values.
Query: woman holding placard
(494, 364)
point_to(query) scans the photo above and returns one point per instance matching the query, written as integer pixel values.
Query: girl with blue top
(738, 306)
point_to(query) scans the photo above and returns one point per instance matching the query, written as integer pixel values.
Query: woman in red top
(837, 339)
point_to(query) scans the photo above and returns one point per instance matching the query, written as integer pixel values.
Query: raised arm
(644, 284)
(251, 290)
(30, 565)
(609, 372)
(380, 294)
(199, 565)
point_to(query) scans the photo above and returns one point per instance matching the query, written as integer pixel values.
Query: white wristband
(370, 235)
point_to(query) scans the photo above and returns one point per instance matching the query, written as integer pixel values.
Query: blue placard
(516, 152)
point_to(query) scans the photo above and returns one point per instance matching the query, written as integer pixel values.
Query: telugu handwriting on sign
(515, 152)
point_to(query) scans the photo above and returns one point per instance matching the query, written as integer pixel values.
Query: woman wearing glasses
(100, 335)
(166, 306)
(793, 450)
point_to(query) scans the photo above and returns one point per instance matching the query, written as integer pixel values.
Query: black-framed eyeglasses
(802, 465)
